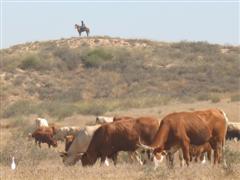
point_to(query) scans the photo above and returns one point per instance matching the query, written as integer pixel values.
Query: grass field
(35, 163)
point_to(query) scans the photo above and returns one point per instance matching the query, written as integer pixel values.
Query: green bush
(96, 57)
(235, 98)
(70, 57)
(202, 97)
(215, 99)
(35, 62)
(58, 109)
(93, 108)
(20, 108)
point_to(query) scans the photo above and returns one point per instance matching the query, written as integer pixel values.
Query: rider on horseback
(83, 25)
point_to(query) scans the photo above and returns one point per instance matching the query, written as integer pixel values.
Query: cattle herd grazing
(193, 135)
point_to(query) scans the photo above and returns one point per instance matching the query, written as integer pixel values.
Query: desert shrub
(17, 121)
(235, 98)
(202, 97)
(94, 107)
(96, 57)
(58, 109)
(70, 57)
(19, 80)
(34, 61)
(9, 62)
(19, 108)
(215, 99)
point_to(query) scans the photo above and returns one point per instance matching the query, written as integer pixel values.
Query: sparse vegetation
(235, 98)
(131, 73)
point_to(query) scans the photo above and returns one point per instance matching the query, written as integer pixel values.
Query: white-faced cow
(79, 145)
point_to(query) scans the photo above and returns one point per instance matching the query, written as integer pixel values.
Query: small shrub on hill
(21, 107)
(235, 98)
(96, 57)
(35, 62)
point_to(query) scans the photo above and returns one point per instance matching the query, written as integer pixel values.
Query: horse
(81, 29)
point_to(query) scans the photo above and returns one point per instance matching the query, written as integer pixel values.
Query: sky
(214, 22)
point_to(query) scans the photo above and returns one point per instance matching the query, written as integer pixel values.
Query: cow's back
(124, 135)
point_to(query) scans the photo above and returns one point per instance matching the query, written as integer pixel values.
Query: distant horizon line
(117, 37)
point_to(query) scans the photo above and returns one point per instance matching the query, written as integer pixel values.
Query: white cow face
(70, 160)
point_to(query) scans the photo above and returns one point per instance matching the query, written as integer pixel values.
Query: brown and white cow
(62, 132)
(79, 145)
(122, 135)
(44, 135)
(180, 129)
(41, 122)
(103, 119)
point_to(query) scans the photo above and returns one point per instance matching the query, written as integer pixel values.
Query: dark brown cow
(179, 130)
(233, 131)
(44, 135)
(122, 135)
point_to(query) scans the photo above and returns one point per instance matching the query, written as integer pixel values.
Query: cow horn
(144, 146)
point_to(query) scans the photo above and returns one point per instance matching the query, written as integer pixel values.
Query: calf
(42, 136)
(199, 151)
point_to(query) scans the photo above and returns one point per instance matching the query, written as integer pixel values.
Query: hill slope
(98, 74)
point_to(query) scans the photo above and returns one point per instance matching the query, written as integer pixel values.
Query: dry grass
(35, 163)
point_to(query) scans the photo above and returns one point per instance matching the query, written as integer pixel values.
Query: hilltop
(93, 75)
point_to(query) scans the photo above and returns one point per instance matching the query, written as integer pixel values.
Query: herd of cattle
(146, 139)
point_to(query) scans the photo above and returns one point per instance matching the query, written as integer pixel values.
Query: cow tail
(224, 139)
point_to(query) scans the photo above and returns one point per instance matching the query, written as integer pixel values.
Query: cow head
(88, 160)
(70, 160)
(151, 154)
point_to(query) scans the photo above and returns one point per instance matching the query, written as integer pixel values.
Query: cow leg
(217, 147)
(209, 154)
(170, 159)
(185, 149)
(104, 160)
(180, 154)
(39, 144)
(114, 158)
(201, 157)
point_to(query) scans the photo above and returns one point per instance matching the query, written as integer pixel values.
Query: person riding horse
(83, 25)
(82, 28)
